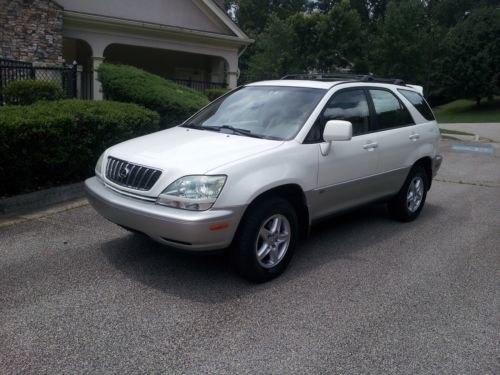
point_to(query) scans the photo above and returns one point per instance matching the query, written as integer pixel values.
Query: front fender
(293, 163)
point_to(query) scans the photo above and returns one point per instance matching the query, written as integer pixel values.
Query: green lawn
(466, 111)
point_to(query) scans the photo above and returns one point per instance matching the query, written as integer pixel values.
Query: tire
(266, 240)
(408, 203)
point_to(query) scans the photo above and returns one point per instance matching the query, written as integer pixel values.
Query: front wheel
(406, 206)
(266, 240)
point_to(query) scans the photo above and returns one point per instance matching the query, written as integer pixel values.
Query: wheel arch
(294, 194)
(426, 163)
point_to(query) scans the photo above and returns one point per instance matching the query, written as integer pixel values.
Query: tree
(470, 66)
(341, 39)
(253, 15)
(406, 42)
(274, 54)
(369, 10)
(449, 12)
(308, 42)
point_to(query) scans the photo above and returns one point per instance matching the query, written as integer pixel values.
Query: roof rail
(327, 77)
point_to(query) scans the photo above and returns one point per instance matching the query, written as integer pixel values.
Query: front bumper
(436, 164)
(182, 229)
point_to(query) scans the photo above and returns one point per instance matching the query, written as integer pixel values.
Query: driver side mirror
(337, 130)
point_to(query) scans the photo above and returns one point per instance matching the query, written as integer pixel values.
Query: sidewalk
(484, 130)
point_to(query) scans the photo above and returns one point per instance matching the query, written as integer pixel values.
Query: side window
(352, 106)
(419, 103)
(391, 113)
(349, 105)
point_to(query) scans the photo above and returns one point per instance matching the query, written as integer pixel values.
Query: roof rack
(328, 77)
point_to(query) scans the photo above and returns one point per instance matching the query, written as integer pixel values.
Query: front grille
(131, 175)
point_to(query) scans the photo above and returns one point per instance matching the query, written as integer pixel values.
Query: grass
(464, 110)
(455, 132)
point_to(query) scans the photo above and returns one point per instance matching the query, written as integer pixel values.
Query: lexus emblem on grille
(124, 171)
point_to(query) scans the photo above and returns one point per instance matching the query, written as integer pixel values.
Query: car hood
(183, 151)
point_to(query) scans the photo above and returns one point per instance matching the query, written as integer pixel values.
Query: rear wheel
(406, 206)
(266, 239)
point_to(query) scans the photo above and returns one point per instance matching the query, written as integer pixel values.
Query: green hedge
(58, 142)
(29, 91)
(215, 93)
(173, 102)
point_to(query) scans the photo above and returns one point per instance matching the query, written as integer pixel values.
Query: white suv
(255, 168)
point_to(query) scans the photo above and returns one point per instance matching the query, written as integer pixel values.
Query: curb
(463, 138)
(25, 203)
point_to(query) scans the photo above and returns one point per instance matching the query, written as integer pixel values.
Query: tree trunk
(478, 102)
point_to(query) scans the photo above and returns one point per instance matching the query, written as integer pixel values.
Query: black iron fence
(75, 83)
(201, 86)
(66, 76)
(86, 87)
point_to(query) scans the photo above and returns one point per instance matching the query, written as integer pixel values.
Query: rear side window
(419, 103)
(391, 113)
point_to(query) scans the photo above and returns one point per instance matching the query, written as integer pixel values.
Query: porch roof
(75, 18)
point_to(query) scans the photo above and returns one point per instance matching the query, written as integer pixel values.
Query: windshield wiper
(239, 131)
(233, 130)
(199, 127)
(192, 126)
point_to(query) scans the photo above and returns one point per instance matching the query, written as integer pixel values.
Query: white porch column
(233, 73)
(97, 89)
(232, 79)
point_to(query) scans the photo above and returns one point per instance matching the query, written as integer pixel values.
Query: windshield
(272, 112)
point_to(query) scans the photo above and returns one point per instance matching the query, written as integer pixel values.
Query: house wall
(180, 13)
(31, 31)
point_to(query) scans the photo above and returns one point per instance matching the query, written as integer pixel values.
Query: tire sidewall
(244, 252)
(399, 206)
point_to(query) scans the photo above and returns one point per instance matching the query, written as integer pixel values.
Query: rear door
(426, 127)
(398, 138)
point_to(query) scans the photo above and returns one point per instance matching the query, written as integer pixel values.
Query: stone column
(97, 89)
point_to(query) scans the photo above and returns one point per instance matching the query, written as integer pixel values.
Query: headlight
(195, 193)
(98, 166)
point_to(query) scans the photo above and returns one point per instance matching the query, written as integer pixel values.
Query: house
(191, 40)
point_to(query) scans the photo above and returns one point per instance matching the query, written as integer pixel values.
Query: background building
(188, 40)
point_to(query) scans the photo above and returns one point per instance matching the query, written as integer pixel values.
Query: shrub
(215, 93)
(173, 102)
(30, 91)
(52, 143)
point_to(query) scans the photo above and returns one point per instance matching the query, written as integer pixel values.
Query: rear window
(419, 103)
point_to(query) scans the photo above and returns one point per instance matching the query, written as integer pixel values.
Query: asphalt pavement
(364, 295)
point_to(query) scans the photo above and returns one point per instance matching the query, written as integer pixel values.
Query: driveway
(364, 294)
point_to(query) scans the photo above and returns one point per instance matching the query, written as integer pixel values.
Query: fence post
(1, 83)
(74, 79)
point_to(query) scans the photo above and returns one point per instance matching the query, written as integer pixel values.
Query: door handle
(371, 145)
(414, 136)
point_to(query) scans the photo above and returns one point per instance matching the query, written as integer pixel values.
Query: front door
(344, 172)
